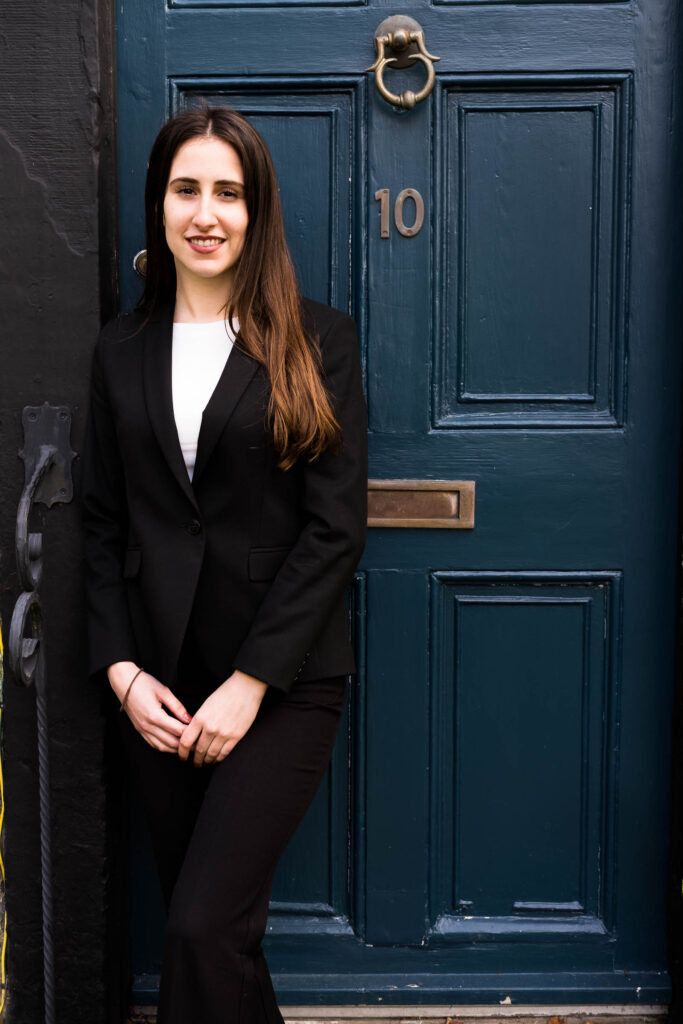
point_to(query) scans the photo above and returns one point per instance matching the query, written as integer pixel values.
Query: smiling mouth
(206, 243)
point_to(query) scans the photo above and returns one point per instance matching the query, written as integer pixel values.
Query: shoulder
(119, 347)
(120, 343)
(122, 327)
(321, 320)
(336, 334)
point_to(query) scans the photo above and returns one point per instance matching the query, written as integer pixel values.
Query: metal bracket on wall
(47, 459)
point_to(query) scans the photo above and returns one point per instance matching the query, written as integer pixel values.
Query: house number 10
(382, 194)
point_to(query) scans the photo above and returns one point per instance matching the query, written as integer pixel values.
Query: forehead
(208, 159)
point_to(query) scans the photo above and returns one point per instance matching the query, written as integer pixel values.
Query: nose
(205, 216)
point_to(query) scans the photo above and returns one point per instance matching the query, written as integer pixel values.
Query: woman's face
(205, 213)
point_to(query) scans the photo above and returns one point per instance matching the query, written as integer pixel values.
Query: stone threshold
(487, 1014)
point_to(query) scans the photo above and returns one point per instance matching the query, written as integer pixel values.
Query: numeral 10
(382, 194)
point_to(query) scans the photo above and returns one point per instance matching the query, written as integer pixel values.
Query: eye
(230, 193)
(185, 190)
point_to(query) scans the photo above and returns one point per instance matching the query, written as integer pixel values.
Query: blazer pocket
(265, 562)
(131, 563)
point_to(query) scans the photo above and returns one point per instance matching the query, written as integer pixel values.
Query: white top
(200, 352)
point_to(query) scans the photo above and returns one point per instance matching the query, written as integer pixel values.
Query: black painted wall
(57, 260)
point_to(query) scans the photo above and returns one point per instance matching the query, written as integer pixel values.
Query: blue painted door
(495, 820)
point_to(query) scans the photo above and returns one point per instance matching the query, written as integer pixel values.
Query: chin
(205, 271)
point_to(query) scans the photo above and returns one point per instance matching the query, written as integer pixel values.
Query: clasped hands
(218, 725)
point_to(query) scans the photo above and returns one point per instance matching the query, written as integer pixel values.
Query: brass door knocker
(404, 38)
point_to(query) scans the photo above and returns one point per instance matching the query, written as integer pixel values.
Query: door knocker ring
(403, 37)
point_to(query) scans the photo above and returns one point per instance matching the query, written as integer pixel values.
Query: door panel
(536, 736)
(495, 819)
(531, 332)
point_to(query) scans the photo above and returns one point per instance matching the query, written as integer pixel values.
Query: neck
(201, 301)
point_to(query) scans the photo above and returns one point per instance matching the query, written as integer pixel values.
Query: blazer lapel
(159, 394)
(237, 374)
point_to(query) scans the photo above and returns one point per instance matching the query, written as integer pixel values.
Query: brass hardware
(404, 38)
(427, 504)
(383, 196)
(409, 193)
(140, 263)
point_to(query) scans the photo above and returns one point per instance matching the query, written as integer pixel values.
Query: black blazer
(257, 559)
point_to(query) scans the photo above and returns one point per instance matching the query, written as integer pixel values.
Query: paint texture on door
(495, 819)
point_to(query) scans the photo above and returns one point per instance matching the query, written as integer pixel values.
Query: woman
(225, 508)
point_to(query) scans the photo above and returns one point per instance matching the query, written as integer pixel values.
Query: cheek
(170, 235)
(240, 220)
(244, 223)
(172, 218)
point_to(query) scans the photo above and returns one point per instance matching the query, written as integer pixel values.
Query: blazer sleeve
(313, 577)
(105, 523)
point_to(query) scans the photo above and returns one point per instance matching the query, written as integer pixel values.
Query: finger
(226, 749)
(190, 734)
(163, 748)
(201, 747)
(214, 749)
(162, 723)
(159, 743)
(207, 741)
(168, 723)
(162, 735)
(175, 707)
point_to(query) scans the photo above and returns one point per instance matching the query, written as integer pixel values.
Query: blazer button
(193, 527)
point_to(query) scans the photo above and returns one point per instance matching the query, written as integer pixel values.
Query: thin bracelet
(123, 703)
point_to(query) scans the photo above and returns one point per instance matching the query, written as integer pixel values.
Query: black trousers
(218, 832)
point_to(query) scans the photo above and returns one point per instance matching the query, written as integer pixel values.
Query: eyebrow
(194, 181)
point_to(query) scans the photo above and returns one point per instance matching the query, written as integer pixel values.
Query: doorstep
(603, 1014)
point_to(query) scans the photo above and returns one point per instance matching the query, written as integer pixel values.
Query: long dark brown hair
(264, 297)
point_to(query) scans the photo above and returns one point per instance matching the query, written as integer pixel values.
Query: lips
(205, 245)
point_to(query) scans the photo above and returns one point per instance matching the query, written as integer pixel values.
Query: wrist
(120, 674)
(257, 685)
